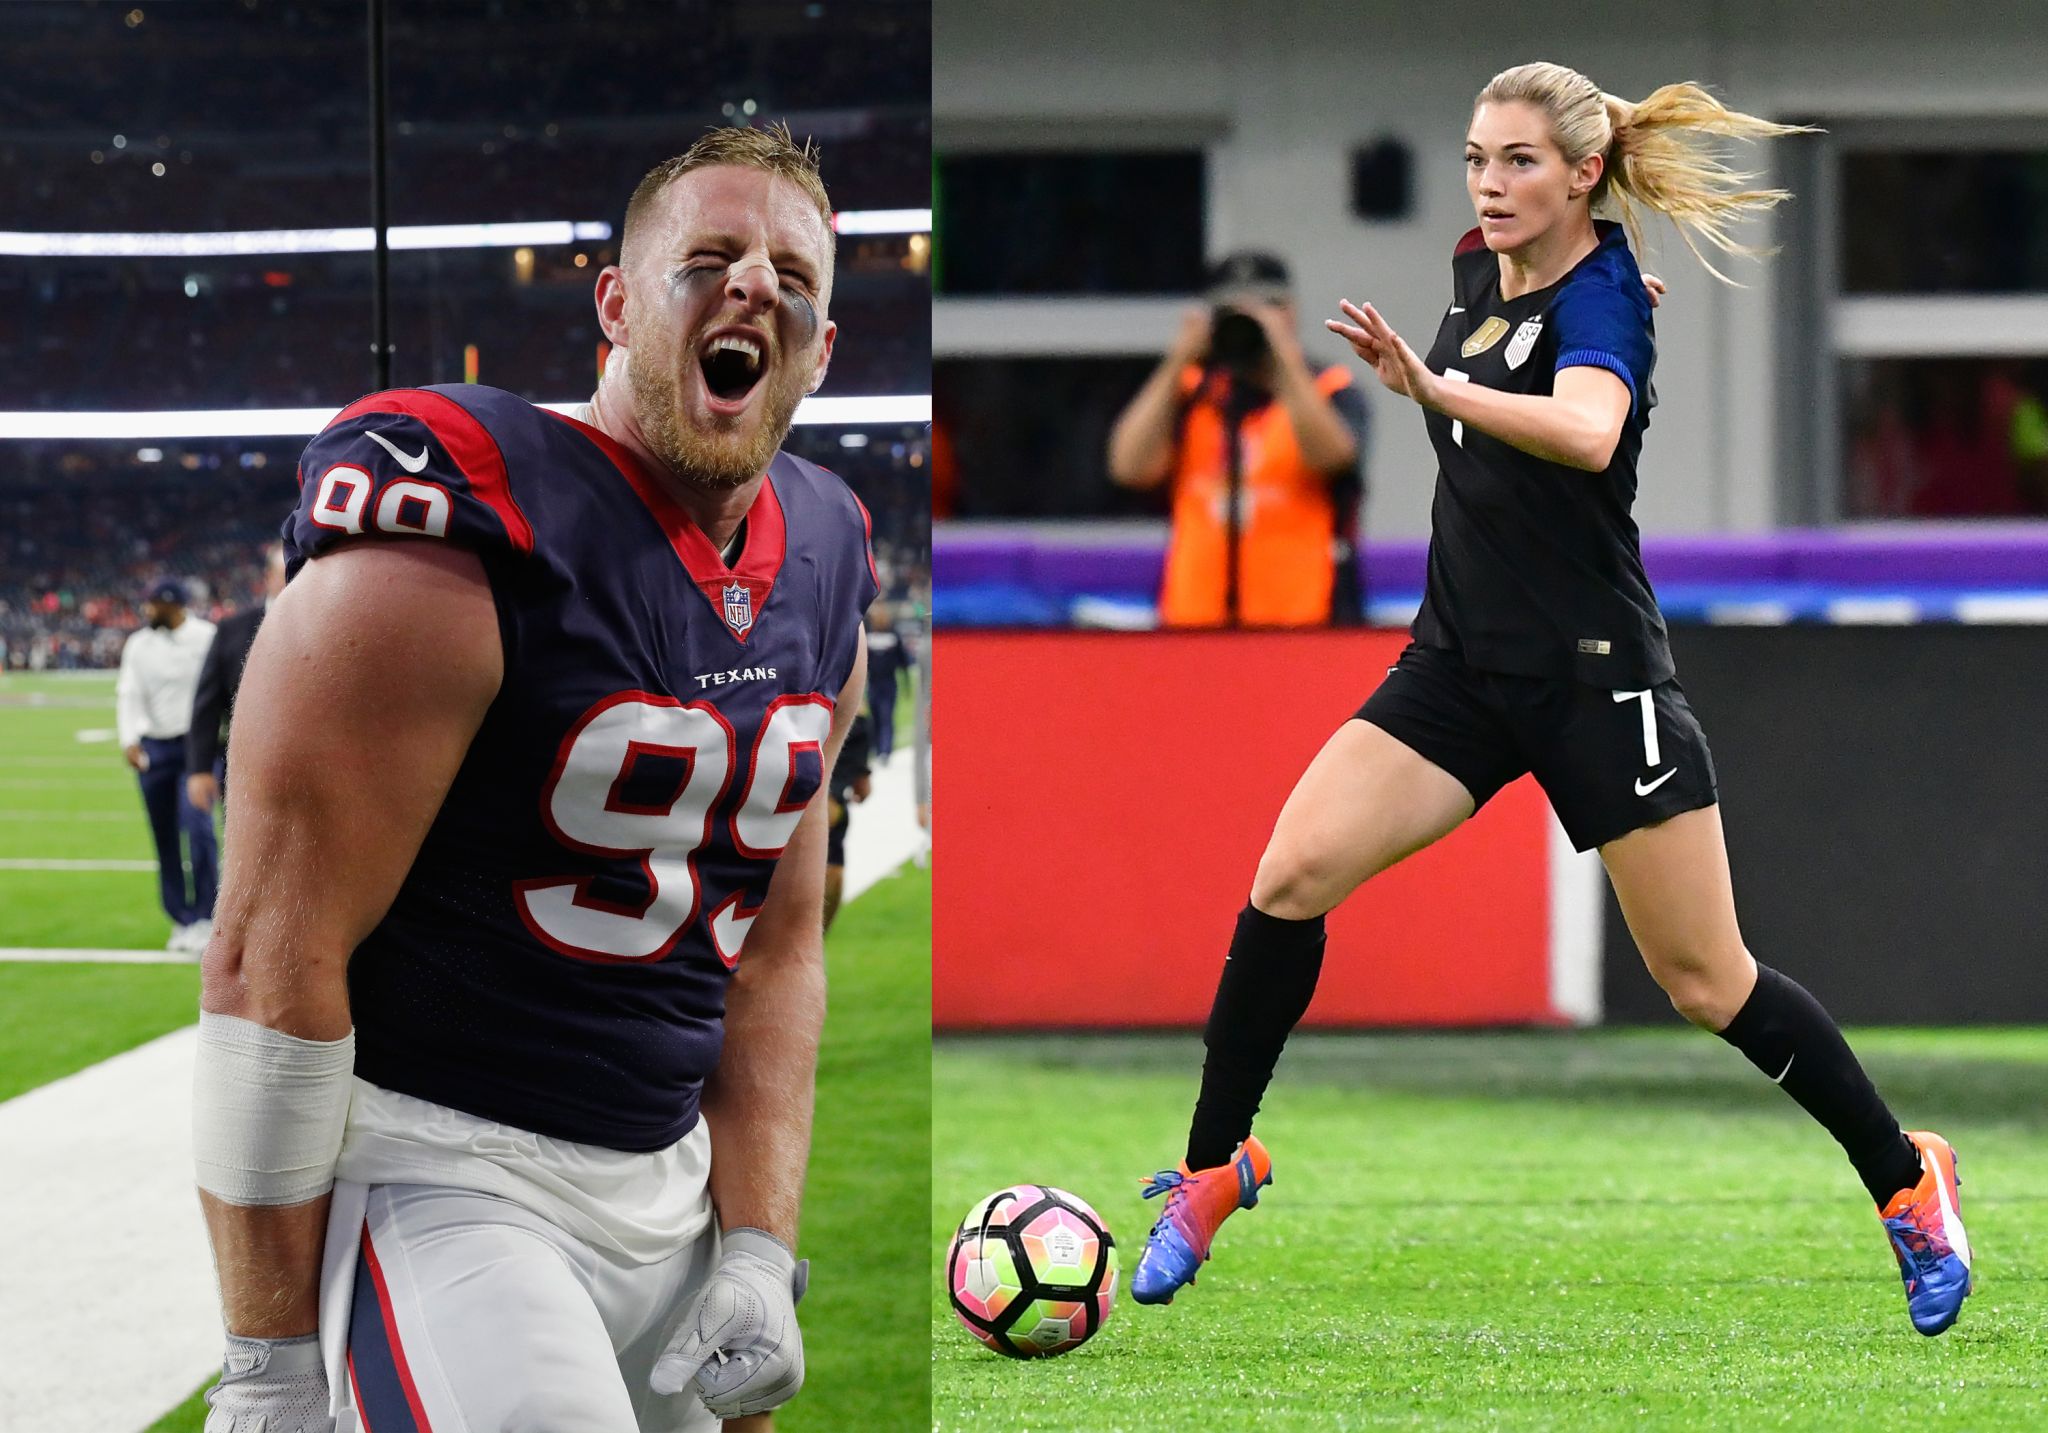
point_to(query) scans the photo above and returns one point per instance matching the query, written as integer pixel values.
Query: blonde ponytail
(1655, 161)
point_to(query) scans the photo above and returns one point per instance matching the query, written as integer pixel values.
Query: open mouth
(732, 363)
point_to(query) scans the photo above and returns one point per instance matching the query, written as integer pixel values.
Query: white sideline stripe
(1576, 885)
(96, 957)
(108, 1290)
(108, 1315)
(29, 864)
(883, 832)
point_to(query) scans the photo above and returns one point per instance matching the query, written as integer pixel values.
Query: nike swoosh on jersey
(1642, 790)
(1457, 308)
(410, 464)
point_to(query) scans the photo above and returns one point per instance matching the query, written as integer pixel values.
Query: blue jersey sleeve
(409, 463)
(1600, 324)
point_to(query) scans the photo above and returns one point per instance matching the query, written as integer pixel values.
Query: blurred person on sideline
(152, 712)
(851, 785)
(220, 677)
(1264, 454)
(888, 655)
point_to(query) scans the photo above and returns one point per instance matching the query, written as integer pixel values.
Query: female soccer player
(1539, 648)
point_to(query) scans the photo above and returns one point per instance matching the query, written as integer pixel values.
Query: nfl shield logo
(739, 608)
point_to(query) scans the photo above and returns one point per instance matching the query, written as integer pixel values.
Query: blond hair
(772, 149)
(1654, 160)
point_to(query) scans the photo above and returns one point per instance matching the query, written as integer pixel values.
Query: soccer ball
(1032, 1271)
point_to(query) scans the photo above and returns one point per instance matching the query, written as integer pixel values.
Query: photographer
(1264, 454)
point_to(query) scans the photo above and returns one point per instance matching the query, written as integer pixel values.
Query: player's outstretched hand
(1373, 339)
(270, 1386)
(739, 1344)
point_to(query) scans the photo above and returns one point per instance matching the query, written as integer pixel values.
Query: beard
(725, 454)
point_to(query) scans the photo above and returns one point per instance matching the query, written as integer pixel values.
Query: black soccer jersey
(1536, 568)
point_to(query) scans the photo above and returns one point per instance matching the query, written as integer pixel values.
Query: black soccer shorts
(1611, 762)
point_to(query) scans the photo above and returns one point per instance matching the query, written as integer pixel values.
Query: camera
(1236, 341)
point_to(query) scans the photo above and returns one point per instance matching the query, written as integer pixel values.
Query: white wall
(1284, 90)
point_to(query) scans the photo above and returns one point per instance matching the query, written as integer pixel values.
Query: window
(1070, 223)
(1033, 434)
(1915, 275)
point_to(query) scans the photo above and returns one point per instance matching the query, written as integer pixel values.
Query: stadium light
(304, 422)
(298, 241)
(398, 236)
(882, 221)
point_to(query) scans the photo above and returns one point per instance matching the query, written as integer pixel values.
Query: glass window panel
(1062, 223)
(1030, 436)
(1944, 437)
(1942, 221)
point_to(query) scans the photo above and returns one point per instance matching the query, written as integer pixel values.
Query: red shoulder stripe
(1471, 243)
(469, 444)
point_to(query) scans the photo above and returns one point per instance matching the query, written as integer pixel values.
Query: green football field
(1618, 1229)
(869, 1184)
(67, 796)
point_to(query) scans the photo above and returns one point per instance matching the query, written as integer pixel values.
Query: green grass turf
(870, 1178)
(1511, 1231)
(64, 799)
(57, 1019)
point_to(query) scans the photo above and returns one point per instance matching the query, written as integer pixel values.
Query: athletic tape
(268, 1110)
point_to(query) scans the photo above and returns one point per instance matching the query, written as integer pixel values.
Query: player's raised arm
(363, 690)
(758, 1105)
(1578, 424)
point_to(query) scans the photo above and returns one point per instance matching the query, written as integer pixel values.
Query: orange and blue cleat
(1197, 1203)
(1927, 1235)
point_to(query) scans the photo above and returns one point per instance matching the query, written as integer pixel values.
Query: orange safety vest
(1288, 530)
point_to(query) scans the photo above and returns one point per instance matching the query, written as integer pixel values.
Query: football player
(511, 1013)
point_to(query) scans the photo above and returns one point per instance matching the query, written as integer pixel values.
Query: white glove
(738, 1344)
(270, 1386)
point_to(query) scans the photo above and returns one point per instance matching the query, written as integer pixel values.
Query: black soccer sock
(1266, 985)
(1786, 1034)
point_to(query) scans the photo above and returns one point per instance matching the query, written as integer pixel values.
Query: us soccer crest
(1524, 340)
(739, 608)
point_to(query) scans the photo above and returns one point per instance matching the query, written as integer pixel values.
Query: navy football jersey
(1535, 567)
(558, 955)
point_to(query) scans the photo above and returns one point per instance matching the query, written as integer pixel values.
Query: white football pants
(460, 1312)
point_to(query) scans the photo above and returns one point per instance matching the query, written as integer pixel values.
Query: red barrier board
(1104, 802)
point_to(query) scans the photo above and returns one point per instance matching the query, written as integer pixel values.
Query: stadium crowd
(568, 131)
(84, 530)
